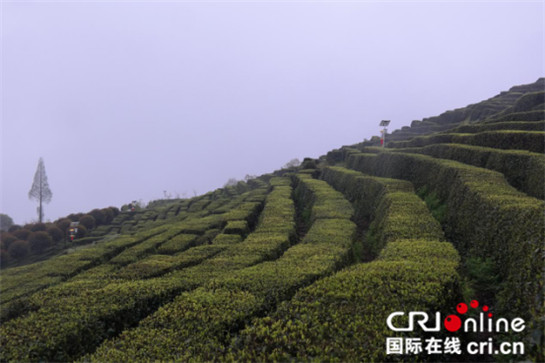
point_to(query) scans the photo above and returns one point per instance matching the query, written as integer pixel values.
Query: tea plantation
(308, 263)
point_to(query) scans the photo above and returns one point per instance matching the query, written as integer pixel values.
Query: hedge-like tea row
(492, 126)
(134, 253)
(533, 141)
(15, 283)
(374, 197)
(156, 265)
(485, 217)
(325, 202)
(522, 169)
(237, 227)
(536, 115)
(364, 191)
(74, 317)
(343, 317)
(197, 324)
(340, 155)
(177, 244)
(274, 233)
(197, 224)
(18, 283)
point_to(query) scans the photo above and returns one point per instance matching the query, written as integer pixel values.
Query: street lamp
(383, 123)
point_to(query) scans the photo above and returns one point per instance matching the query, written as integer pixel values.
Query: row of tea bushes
(493, 126)
(197, 324)
(533, 141)
(74, 317)
(208, 245)
(343, 317)
(485, 217)
(20, 282)
(523, 169)
(374, 197)
(536, 115)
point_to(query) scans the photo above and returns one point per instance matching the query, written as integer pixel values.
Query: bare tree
(40, 189)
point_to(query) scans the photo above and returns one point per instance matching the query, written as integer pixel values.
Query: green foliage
(75, 316)
(39, 241)
(19, 249)
(82, 231)
(492, 126)
(22, 234)
(437, 207)
(37, 227)
(522, 169)
(196, 325)
(63, 224)
(484, 277)
(7, 238)
(485, 217)
(177, 243)
(342, 317)
(99, 216)
(56, 233)
(533, 141)
(236, 227)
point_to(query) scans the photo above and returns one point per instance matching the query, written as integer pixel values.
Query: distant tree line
(18, 242)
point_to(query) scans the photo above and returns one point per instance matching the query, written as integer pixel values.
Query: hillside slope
(309, 263)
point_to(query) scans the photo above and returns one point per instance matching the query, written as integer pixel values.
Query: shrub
(22, 234)
(56, 233)
(4, 256)
(99, 216)
(7, 239)
(485, 218)
(82, 231)
(523, 169)
(63, 224)
(39, 241)
(14, 228)
(309, 163)
(88, 221)
(109, 214)
(19, 249)
(38, 227)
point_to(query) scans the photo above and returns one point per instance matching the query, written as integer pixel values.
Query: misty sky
(126, 99)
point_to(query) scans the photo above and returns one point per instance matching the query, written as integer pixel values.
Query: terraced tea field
(308, 263)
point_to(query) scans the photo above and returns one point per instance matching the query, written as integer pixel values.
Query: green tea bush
(236, 227)
(522, 169)
(177, 243)
(486, 218)
(533, 141)
(492, 126)
(72, 318)
(197, 324)
(537, 115)
(342, 317)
